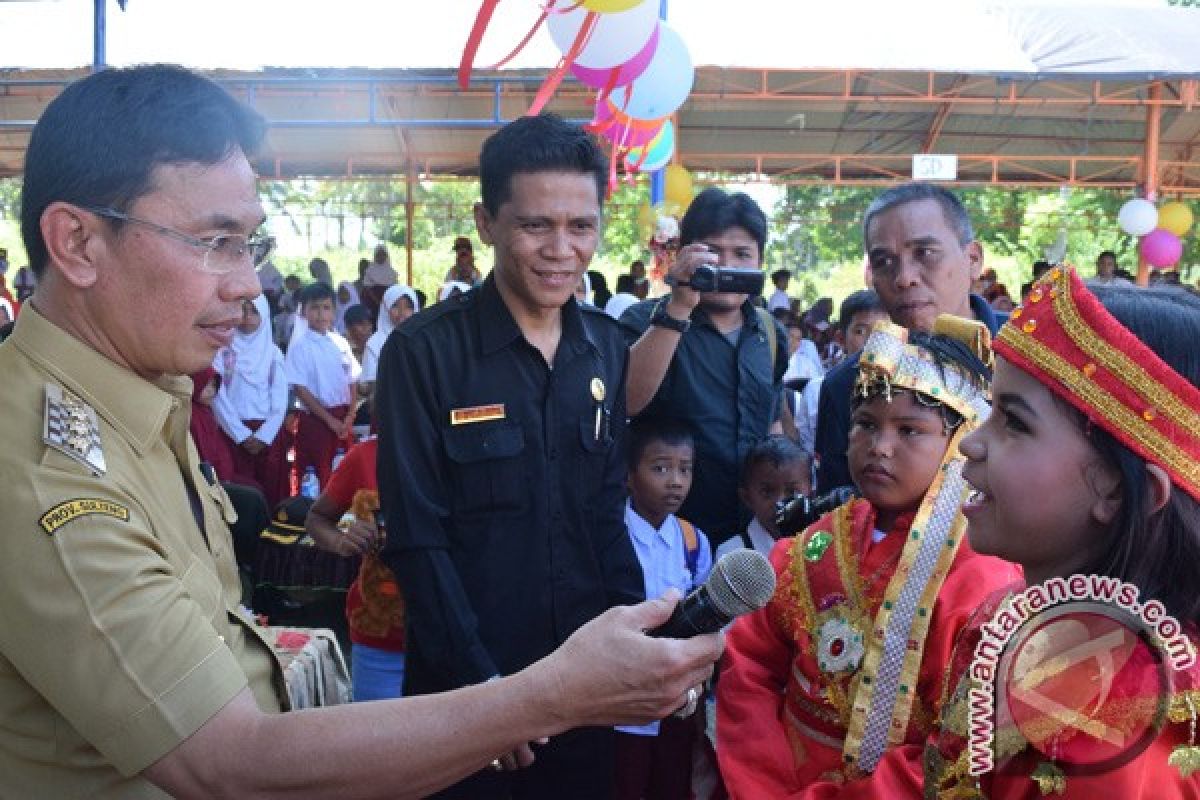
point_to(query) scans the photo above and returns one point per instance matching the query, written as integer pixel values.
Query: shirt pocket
(489, 477)
(595, 451)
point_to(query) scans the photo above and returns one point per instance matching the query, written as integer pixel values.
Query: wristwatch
(662, 319)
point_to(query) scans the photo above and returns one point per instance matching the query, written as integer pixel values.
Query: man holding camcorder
(706, 354)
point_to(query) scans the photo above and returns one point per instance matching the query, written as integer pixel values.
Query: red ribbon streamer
(556, 75)
(521, 45)
(465, 64)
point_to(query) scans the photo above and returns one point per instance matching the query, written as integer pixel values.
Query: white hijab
(383, 323)
(245, 365)
(341, 307)
(384, 326)
(269, 277)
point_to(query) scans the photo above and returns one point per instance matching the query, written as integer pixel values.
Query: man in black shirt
(713, 359)
(923, 259)
(502, 416)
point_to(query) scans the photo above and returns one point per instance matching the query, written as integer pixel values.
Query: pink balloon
(626, 73)
(615, 39)
(636, 135)
(623, 130)
(1160, 248)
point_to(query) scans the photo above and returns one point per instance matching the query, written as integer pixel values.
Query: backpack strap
(767, 321)
(691, 544)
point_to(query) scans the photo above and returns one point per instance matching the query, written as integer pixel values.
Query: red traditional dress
(1086, 686)
(792, 671)
(847, 662)
(1126, 697)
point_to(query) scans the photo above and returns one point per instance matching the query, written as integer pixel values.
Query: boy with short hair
(321, 369)
(856, 317)
(779, 299)
(359, 327)
(654, 760)
(776, 469)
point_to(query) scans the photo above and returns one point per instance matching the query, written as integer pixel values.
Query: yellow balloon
(646, 220)
(1175, 217)
(677, 185)
(611, 6)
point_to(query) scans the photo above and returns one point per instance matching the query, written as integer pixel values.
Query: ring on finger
(689, 706)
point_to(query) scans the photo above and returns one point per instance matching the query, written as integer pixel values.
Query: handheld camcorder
(738, 280)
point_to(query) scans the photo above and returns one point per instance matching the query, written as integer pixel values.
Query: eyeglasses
(223, 253)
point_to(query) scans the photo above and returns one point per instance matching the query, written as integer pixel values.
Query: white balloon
(1138, 217)
(665, 84)
(616, 38)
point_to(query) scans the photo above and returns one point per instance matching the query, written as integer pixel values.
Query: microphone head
(741, 581)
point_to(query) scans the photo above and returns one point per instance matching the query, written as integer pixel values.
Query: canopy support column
(410, 188)
(1150, 163)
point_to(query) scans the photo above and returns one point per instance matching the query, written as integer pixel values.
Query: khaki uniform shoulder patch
(64, 512)
(71, 427)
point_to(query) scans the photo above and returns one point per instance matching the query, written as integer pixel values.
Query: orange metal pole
(410, 190)
(1150, 162)
(410, 187)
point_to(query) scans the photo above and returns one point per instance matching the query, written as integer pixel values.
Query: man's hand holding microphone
(635, 664)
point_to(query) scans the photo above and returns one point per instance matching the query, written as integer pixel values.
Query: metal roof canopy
(792, 126)
(1033, 96)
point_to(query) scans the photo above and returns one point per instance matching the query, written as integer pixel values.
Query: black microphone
(741, 582)
(794, 514)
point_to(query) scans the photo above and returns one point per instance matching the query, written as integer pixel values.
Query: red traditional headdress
(1068, 341)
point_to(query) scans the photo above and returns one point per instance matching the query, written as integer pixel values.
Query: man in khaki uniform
(126, 668)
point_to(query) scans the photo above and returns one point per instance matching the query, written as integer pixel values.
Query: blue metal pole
(99, 34)
(657, 183)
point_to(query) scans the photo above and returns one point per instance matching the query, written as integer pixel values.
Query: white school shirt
(779, 299)
(762, 540)
(618, 303)
(663, 556)
(324, 364)
(804, 363)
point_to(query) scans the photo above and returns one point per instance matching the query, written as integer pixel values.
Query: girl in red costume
(1089, 465)
(847, 661)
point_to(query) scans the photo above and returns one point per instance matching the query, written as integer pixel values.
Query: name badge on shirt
(63, 513)
(463, 416)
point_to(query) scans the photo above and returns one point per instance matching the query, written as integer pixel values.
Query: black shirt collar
(498, 329)
(750, 317)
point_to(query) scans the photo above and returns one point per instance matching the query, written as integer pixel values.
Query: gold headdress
(889, 362)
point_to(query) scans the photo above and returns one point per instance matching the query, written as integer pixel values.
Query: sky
(252, 34)
(249, 34)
